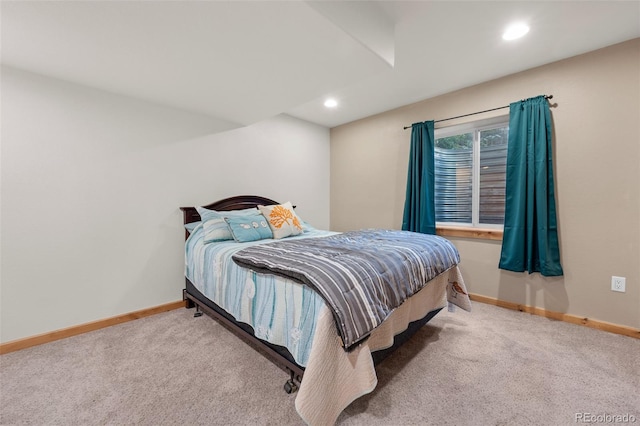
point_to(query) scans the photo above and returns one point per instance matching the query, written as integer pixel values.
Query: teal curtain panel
(419, 207)
(530, 238)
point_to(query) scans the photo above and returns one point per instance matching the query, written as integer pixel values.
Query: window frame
(475, 229)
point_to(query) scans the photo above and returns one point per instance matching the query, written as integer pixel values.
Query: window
(470, 171)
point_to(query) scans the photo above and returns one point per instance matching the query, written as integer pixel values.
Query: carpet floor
(492, 366)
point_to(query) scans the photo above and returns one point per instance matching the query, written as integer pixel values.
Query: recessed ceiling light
(331, 103)
(515, 31)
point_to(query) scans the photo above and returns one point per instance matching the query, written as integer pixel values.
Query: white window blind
(470, 167)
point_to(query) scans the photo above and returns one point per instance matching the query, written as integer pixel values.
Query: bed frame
(279, 355)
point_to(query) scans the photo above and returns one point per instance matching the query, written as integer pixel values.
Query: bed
(289, 322)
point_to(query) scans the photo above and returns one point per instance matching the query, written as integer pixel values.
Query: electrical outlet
(618, 284)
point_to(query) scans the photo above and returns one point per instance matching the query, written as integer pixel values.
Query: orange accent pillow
(282, 220)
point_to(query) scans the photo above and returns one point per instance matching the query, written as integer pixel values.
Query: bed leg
(290, 385)
(188, 303)
(198, 312)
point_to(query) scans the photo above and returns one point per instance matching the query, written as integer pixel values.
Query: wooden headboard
(232, 203)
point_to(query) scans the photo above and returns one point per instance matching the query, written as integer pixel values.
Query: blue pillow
(214, 226)
(216, 230)
(206, 214)
(249, 228)
(306, 227)
(191, 226)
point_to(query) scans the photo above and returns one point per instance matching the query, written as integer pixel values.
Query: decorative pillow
(214, 226)
(249, 228)
(283, 221)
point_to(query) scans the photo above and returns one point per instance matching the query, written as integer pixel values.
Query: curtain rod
(474, 113)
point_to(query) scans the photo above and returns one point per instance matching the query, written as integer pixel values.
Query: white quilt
(334, 378)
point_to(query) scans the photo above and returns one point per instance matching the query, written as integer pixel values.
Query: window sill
(465, 232)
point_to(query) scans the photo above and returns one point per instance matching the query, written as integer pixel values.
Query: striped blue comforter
(280, 310)
(362, 275)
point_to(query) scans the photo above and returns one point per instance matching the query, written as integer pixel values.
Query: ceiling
(240, 62)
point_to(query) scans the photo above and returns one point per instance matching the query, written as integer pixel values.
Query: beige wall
(597, 161)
